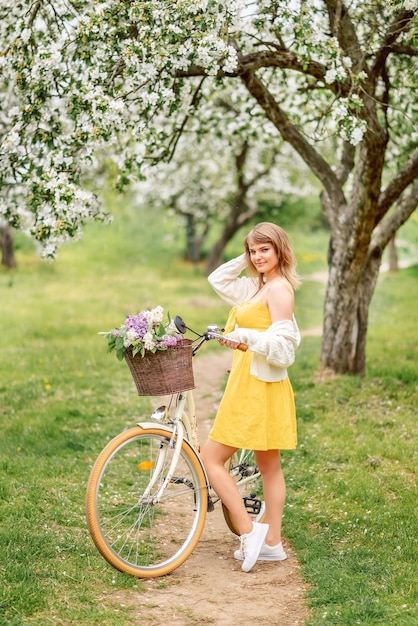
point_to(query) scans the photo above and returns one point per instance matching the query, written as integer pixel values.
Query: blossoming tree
(126, 79)
(223, 181)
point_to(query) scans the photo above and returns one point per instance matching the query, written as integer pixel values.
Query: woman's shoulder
(279, 287)
(280, 300)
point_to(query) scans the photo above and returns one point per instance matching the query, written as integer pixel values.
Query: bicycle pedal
(211, 506)
(248, 470)
(252, 505)
(178, 480)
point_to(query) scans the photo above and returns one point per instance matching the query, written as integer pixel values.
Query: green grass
(351, 509)
(351, 512)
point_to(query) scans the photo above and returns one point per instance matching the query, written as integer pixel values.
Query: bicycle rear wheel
(244, 470)
(132, 533)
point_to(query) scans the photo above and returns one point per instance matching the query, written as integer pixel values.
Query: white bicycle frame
(182, 427)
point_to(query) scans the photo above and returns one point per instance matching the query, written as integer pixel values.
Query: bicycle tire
(243, 469)
(139, 538)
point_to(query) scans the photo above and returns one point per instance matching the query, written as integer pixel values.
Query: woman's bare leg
(214, 456)
(274, 488)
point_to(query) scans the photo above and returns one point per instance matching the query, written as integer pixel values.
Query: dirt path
(210, 587)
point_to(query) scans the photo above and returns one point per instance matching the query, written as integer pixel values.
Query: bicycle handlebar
(213, 332)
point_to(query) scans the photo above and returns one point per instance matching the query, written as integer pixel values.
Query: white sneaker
(267, 553)
(251, 544)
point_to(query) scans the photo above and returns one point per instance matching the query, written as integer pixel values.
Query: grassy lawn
(351, 511)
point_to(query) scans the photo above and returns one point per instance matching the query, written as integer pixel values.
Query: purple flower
(137, 323)
(169, 340)
(146, 331)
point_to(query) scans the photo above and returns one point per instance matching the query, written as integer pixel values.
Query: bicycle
(148, 493)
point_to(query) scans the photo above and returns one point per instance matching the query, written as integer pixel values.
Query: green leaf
(119, 343)
(120, 354)
(111, 342)
(160, 331)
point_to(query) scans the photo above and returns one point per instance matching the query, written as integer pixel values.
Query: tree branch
(387, 228)
(171, 148)
(396, 28)
(406, 50)
(252, 209)
(290, 133)
(34, 12)
(343, 28)
(407, 174)
(265, 171)
(281, 59)
(347, 162)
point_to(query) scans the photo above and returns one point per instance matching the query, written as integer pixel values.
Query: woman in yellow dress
(257, 411)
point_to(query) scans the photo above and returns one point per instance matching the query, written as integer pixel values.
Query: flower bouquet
(158, 356)
(146, 331)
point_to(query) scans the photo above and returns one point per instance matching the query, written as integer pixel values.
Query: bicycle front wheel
(134, 533)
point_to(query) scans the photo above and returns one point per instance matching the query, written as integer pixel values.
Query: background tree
(7, 247)
(217, 185)
(133, 76)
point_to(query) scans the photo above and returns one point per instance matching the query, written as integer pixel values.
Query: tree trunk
(194, 239)
(215, 255)
(242, 207)
(7, 248)
(393, 257)
(240, 215)
(350, 288)
(357, 214)
(192, 254)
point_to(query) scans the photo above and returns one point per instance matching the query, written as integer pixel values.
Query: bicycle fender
(156, 424)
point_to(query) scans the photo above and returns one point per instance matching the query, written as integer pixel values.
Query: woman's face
(264, 257)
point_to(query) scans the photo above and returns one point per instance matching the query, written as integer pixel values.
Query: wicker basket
(163, 372)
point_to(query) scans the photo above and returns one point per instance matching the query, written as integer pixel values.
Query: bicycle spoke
(133, 528)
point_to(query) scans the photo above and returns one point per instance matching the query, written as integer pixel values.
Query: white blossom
(78, 87)
(131, 336)
(155, 316)
(330, 76)
(148, 341)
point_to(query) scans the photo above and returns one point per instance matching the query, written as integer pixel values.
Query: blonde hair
(266, 232)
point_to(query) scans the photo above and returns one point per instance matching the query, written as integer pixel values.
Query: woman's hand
(231, 340)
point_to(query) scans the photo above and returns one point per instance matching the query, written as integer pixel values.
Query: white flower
(148, 341)
(12, 140)
(49, 250)
(25, 34)
(157, 315)
(330, 76)
(357, 134)
(230, 63)
(131, 336)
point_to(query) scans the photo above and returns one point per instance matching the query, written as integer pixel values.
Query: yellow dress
(254, 414)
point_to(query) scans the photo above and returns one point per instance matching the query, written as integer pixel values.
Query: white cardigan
(274, 349)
